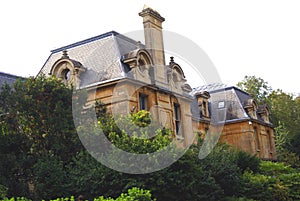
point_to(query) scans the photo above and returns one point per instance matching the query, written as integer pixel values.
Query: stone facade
(128, 76)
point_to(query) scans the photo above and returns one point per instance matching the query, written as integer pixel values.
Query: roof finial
(65, 54)
(139, 45)
(171, 59)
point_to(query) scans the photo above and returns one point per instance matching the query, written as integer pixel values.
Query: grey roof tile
(100, 56)
(232, 97)
(7, 79)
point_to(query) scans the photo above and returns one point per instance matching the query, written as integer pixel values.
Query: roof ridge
(9, 75)
(104, 35)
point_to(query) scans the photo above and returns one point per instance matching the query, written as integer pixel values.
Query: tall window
(143, 101)
(257, 140)
(177, 118)
(270, 141)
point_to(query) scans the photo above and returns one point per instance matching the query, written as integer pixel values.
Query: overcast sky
(258, 37)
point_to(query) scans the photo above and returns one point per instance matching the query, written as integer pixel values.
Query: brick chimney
(152, 21)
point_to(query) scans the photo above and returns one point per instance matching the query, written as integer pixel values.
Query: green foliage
(285, 116)
(190, 179)
(226, 164)
(134, 133)
(283, 143)
(3, 191)
(281, 138)
(86, 176)
(275, 182)
(284, 110)
(141, 118)
(295, 144)
(49, 177)
(256, 87)
(255, 186)
(16, 199)
(234, 198)
(39, 146)
(37, 136)
(133, 194)
(247, 162)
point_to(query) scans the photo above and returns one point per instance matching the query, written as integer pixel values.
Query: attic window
(221, 104)
(66, 74)
(141, 65)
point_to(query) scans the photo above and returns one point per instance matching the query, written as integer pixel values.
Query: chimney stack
(152, 21)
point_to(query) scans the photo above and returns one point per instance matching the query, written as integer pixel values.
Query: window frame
(177, 119)
(143, 101)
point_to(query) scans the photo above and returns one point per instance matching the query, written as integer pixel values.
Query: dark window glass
(177, 117)
(143, 101)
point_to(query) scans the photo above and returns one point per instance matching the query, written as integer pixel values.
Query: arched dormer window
(251, 108)
(264, 113)
(140, 65)
(143, 61)
(67, 69)
(175, 73)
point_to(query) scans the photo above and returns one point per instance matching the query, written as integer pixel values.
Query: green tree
(284, 147)
(275, 181)
(37, 131)
(283, 109)
(256, 87)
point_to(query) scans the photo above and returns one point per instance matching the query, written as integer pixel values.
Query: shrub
(133, 194)
(275, 181)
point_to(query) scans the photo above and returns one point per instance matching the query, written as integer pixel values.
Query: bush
(133, 194)
(3, 191)
(245, 161)
(275, 181)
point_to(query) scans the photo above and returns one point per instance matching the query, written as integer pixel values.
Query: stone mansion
(128, 76)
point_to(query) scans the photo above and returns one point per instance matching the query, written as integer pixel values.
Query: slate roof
(100, 55)
(234, 100)
(209, 87)
(7, 79)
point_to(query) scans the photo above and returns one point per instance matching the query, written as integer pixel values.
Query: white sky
(258, 37)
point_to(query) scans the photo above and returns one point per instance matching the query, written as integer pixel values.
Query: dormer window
(221, 104)
(141, 65)
(251, 108)
(67, 69)
(204, 110)
(264, 113)
(66, 74)
(202, 98)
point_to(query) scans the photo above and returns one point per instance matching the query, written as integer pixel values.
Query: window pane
(143, 102)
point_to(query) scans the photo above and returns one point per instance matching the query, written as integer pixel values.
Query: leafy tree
(89, 177)
(295, 142)
(275, 181)
(41, 109)
(283, 147)
(283, 109)
(256, 87)
(37, 132)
